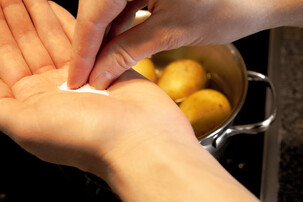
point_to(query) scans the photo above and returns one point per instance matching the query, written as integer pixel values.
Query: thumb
(124, 51)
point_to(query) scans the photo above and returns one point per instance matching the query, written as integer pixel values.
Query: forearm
(174, 171)
(286, 13)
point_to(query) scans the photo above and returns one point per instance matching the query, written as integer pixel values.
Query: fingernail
(102, 81)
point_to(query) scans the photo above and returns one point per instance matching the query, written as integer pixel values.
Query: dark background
(23, 177)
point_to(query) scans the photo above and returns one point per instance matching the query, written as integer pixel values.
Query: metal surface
(282, 176)
(270, 182)
(228, 74)
(253, 128)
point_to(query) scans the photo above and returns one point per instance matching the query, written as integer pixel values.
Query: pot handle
(253, 128)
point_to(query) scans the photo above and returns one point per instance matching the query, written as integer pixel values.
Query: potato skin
(146, 68)
(182, 78)
(206, 109)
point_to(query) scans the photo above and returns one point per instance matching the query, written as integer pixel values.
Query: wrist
(171, 170)
(145, 170)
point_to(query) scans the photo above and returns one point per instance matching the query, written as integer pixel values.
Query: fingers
(50, 31)
(125, 50)
(65, 18)
(93, 18)
(12, 65)
(26, 36)
(126, 18)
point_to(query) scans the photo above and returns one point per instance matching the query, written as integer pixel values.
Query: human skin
(173, 23)
(143, 153)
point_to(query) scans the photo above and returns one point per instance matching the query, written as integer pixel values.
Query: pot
(227, 73)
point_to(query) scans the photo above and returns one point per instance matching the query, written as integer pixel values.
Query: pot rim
(222, 127)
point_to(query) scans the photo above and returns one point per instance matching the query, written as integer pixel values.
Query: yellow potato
(146, 68)
(182, 78)
(206, 109)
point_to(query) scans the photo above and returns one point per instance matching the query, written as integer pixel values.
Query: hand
(136, 139)
(66, 127)
(172, 24)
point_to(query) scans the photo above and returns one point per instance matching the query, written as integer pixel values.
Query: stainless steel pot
(227, 73)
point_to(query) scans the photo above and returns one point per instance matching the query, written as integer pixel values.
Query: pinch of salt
(84, 89)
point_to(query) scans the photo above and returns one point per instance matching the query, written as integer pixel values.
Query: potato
(182, 78)
(146, 68)
(206, 109)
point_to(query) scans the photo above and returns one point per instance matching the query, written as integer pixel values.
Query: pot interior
(225, 68)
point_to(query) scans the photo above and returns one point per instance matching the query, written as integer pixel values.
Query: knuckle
(170, 39)
(123, 58)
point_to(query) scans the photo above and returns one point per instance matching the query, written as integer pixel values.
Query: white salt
(84, 89)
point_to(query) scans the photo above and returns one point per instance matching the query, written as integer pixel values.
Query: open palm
(67, 127)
